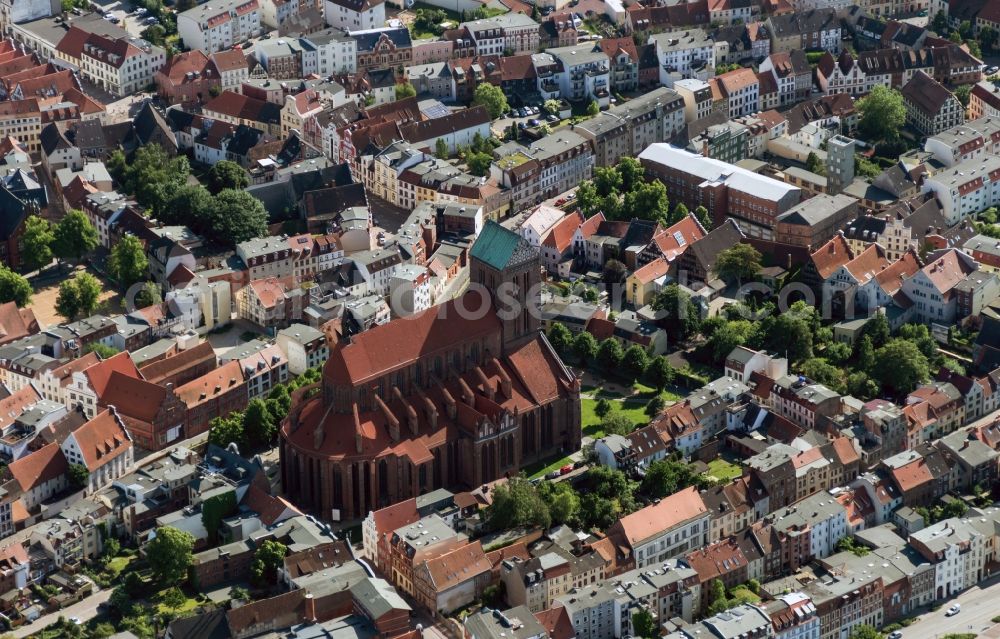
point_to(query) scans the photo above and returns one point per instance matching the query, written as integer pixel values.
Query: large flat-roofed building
(754, 201)
(446, 398)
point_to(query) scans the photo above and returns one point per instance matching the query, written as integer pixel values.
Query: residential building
(676, 525)
(220, 25)
(930, 107)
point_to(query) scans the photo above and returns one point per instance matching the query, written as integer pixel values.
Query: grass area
(189, 604)
(724, 470)
(452, 15)
(118, 564)
(541, 468)
(633, 409)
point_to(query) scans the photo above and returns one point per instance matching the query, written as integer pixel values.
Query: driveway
(84, 610)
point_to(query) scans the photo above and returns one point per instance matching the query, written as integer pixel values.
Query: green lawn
(744, 593)
(634, 409)
(723, 470)
(118, 564)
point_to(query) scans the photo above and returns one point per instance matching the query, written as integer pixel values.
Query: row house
(930, 107)
(791, 74)
(221, 25)
(740, 91)
(585, 73)
(814, 29)
(625, 130)
(511, 33)
(354, 15)
(552, 165)
(802, 401)
(684, 54)
(383, 48)
(120, 66)
(932, 288)
(676, 525)
(975, 139)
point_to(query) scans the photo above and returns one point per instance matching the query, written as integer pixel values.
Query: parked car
(113, 20)
(553, 475)
(954, 610)
(534, 122)
(895, 634)
(151, 21)
(552, 118)
(567, 469)
(991, 70)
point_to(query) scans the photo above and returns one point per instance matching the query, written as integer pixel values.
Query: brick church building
(462, 394)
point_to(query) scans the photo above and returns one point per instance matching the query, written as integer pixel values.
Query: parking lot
(128, 16)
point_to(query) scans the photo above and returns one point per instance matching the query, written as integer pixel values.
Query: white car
(895, 635)
(954, 610)
(75, 621)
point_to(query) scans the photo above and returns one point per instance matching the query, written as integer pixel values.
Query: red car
(560, 201)
(568, 468)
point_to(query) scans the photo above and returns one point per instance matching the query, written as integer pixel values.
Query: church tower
(509, 269)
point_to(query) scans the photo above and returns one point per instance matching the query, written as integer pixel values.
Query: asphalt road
(979, 605)
(84, 610)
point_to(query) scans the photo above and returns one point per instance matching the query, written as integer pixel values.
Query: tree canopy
(128, 263)
(75, 236)
(78, 296)
(169, 555)
(266, 560)
(492, 98)
(14, 288)
(882, 114)
(238, 216)
(738, 263)
(227, 174)
(36, 243)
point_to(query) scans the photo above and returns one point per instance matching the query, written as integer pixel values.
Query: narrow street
(979, 605)
(83, 610)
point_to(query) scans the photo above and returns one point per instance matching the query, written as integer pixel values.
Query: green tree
(226, 430)
(149, 295)
(153, 175)
(878, 330)
(822, 371)
(608, 180)
(258, 424)
(634, 361)
(654, 406)
(75, 236)
(68, 300)
(607, 495)
(517, 503)
(716, 592)
(584, 344)
(479, 163)
(563, 502)
(728, 336)
(962, 92)
(659, 373)
(78, 474)
(864, 631)
(632, 172)
(814, 164)
(940, 23)
(738, 263)
(588, 199)
(667, 476)
(111, 549)
(593, 108)
(128, 263)
(682, 316)
(900, 365)
(609, 354)
(173, 598)
(78, 296)
(441, 149)
(238, 217)
(553, 107)
(603, 407)
(615, 423)
(405, 90)
(492, 98)
(704, 218)
(191, 205)
(643, 624)
(988, 37)
(36, 243)
(560, 338)
(14, 288)
(647, 201)
(882, 114)
(169, 555)
(268, 557)
(227, 174)
(103, 350)
(239, 593)
(614, 272)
